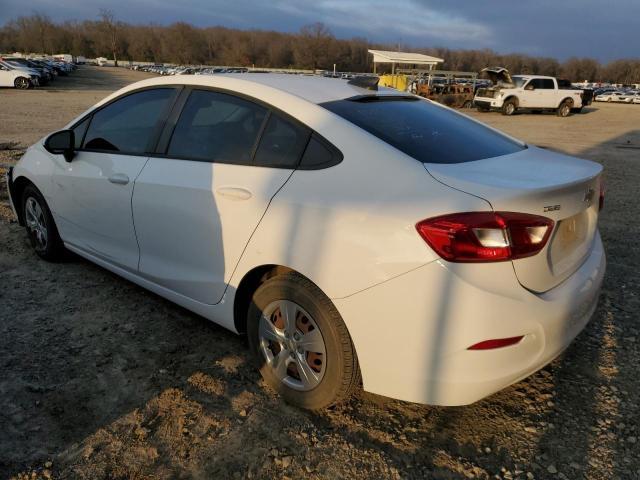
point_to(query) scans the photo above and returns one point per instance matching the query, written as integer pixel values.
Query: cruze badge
(551, 208)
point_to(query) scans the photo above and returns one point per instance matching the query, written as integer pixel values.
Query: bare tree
(109, 26)
(313, 47)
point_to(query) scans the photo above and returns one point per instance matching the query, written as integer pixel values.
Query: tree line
(313, 47)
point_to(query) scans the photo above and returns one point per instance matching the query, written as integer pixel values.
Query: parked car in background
(528, 92)
(13, 77)
(353, 233)
(628, 97)
(611, 96)
(45, 75)
(30, 73)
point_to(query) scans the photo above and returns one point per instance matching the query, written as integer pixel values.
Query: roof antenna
(365, 81)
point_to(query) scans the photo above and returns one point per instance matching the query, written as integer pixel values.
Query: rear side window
(128, 124)
(319, 154)
(547, 84)
(281, 144)
(425, 131)
(217, 127)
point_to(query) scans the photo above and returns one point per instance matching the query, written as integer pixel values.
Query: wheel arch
(247, 287)
(17, 187)
(514, 98)
(566, 99)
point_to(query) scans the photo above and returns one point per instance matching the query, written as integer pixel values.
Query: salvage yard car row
(24, 73)
(619, 96)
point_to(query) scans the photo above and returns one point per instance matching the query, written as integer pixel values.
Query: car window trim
(171, 116)
(158, 128)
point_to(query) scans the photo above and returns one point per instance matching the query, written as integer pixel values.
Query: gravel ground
(101, 379)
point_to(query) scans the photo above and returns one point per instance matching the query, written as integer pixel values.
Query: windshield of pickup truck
(519, 81)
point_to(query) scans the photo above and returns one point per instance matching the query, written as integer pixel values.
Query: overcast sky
(556, 28)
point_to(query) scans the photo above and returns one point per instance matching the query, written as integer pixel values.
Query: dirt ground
(101, 379)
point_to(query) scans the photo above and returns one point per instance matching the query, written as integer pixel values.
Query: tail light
(486, 236)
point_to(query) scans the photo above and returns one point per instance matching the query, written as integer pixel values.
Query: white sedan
(17, 78)
(629, 97)
(360, 237)
(610, 97)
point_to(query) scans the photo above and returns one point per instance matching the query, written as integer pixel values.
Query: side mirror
(529, 87)
(62, 142)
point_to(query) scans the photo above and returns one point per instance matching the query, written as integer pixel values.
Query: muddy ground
(101, 379)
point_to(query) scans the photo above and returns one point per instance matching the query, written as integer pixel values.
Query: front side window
(78, 132)
(217, 127)
(425, 131)
(128, 124)
(535, 83)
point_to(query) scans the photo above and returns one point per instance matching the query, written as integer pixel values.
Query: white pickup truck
(529, 92)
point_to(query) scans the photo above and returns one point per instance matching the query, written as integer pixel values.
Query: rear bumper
(412, 332)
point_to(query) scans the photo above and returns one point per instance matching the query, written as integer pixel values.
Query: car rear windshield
(425, 131)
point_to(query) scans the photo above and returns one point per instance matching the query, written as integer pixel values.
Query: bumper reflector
(496, 343)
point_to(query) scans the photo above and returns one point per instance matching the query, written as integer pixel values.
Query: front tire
(22, 83)
(41, 229)
(301, 344)
(509, 107)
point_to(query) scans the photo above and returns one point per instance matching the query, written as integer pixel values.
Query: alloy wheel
(35, 219)
(22, 83)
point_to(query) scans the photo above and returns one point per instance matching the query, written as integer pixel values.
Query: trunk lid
(536, 181)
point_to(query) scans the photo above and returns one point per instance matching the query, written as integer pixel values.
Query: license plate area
(570, 241)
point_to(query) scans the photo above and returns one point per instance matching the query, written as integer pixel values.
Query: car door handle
(234, 193)
(119, 179)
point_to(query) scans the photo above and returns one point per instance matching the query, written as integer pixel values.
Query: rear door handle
(234, 193)
(119, 179)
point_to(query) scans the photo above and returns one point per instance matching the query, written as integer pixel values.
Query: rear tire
(40, 226)
(564, 110)
(312, 374)
(467, 104)
(509, 107)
